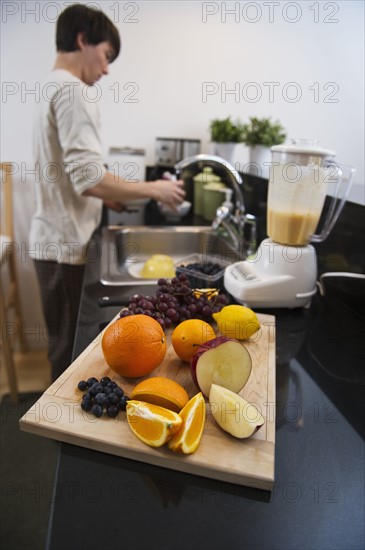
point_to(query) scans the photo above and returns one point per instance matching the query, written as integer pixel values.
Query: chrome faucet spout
(233, 222)
(199, 161)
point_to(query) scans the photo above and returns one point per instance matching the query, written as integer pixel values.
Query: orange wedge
(152, 424)
(161, 391)
(187, 439)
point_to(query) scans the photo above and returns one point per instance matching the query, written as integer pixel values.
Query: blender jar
(298, 181)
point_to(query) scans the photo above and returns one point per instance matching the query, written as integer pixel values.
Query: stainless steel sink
(126, 248)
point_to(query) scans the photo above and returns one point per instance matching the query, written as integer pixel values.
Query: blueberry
(112, 384)
(82, 385)
(107, 390)
(86, 404)
(91, 381)
(88, 394)
(101, 399)
(119, 392)
(112, 411)
(123, 402)
(113, 399)
(96, 388)
(105, 380)
(97, 410)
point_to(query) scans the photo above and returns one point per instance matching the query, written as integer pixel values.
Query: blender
(283, 271)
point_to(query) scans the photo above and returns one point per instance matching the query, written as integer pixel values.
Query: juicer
(304, 178)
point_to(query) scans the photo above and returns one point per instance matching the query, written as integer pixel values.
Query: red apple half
(223, 361)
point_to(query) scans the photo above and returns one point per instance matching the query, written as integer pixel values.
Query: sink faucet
(233, 219)
(235, 227)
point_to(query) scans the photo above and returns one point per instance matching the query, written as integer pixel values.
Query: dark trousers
(60, 286)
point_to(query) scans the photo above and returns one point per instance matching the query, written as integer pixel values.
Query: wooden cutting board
(58, 415)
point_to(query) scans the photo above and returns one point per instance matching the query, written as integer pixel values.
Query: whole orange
(188, 335)
(134, 346)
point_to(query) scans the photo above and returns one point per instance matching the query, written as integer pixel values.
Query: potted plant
(226, 133)
(260, 134)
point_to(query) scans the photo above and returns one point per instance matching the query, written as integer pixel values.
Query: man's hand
(169, 192)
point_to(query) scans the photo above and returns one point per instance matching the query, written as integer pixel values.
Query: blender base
(277, 276)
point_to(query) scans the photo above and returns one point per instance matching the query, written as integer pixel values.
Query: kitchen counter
(103, 501)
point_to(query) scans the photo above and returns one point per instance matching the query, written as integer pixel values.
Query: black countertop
(103, 501)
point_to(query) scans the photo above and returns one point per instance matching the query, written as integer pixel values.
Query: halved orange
(187, 439)
(152, 424)
(161, 391)
(188, 335)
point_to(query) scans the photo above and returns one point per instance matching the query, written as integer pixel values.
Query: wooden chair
(10, 306)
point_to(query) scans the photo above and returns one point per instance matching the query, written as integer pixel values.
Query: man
(72, 180)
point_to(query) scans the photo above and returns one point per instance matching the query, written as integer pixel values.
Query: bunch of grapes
(175, 301)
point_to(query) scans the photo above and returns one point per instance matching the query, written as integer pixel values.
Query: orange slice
(161, 391)
(152, 424)
(193, 415)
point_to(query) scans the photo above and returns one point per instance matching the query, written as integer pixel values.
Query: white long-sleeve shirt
(68, 155)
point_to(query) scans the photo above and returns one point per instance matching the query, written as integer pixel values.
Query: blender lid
(308, 146)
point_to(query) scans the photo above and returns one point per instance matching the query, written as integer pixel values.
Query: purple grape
(157, 315)
(206, 311)
(185, 289)
(125, 313)
(171, 313)
(135, 298)
(162, 323)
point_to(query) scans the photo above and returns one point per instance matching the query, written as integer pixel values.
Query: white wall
(309, 54)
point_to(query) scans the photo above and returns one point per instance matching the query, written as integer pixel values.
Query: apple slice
(233, 413)
(223, 361)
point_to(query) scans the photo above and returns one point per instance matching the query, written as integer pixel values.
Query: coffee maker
(283, 272)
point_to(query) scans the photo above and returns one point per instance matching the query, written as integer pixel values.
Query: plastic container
(198, 279)
(213, 198)
(200, 180)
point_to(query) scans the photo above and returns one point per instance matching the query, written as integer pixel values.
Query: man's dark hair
(95, 25)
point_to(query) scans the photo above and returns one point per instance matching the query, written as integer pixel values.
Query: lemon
(236, 321)
(159, 265)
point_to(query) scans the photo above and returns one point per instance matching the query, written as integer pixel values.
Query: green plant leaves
(258, 131)
(226, 130)
(263, 132)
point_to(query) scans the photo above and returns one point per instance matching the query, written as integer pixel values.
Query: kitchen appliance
(128, 163)
(169, 151)
(304, 178)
